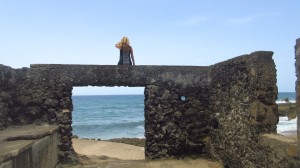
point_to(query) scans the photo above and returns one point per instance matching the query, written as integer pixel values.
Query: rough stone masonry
(297, 67)
(219, 110)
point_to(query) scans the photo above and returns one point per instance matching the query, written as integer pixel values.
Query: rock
(292, 112)
(286, 100)
(287, 110)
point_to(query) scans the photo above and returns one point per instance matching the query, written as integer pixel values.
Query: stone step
(29, 146)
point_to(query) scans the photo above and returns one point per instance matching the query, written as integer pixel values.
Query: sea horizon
(132, 94)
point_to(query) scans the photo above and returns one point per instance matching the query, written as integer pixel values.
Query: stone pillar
(297, 64)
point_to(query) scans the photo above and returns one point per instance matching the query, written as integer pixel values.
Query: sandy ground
(98, 154)
(106, 154)
(289, 133)
(109, 149)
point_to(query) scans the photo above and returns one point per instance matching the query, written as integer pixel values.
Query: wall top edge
(112, 66)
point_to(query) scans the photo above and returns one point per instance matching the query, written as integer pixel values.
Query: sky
(161, 32)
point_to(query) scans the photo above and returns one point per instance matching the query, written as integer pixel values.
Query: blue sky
(162, 32)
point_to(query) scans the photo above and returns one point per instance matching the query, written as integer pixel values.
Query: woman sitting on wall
(126, 52)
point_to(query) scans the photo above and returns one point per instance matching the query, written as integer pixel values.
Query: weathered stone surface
(45, 152)
(284, 150)
(7, 83)
(25, 132)
(297, 67)
(218, 110)
(8, 164)
(12, 149)
(264, 117)
(178, 128)
(241, 91)
(29, 146)
(288, 110)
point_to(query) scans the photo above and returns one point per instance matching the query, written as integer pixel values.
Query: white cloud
(242, 20)
(192, 21)
(248, 19)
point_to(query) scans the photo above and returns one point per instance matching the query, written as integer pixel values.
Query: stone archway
(217, 99)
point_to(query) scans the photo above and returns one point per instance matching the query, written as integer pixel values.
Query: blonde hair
(125, 40)
(124, 44)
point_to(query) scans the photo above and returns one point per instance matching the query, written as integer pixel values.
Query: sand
(109, 149)
(289, 133)
(94, 154)
(106, 154)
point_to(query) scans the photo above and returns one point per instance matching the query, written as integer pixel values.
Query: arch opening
(108, 112)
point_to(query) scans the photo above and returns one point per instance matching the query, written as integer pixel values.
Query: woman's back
(125, 54)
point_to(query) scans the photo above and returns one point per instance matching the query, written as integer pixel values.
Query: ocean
(116, 116)
(284, 124)
(108, 116)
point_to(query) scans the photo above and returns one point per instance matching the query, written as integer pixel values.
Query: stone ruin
(227, 110)
(297, 67)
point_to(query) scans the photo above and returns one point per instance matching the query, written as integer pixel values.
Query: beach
(292, 134)
(129, 152)
(109, 149)
(95, 153)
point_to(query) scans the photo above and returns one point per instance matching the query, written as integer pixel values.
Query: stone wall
(243, 94)
(297, 67)
(177, 121)
(33, 96)
(218, 110)
(7, 84)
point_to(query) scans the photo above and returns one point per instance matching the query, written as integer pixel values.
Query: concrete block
(45, 151)
(40, 152)
(24, 160)
(8, 164)
(13, 149)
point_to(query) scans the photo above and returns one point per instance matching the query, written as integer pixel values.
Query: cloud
(242, 20)
(193, 21)
(249, 19)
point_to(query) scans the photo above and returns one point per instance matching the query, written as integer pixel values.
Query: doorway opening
(107, 115)
(108, 112)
